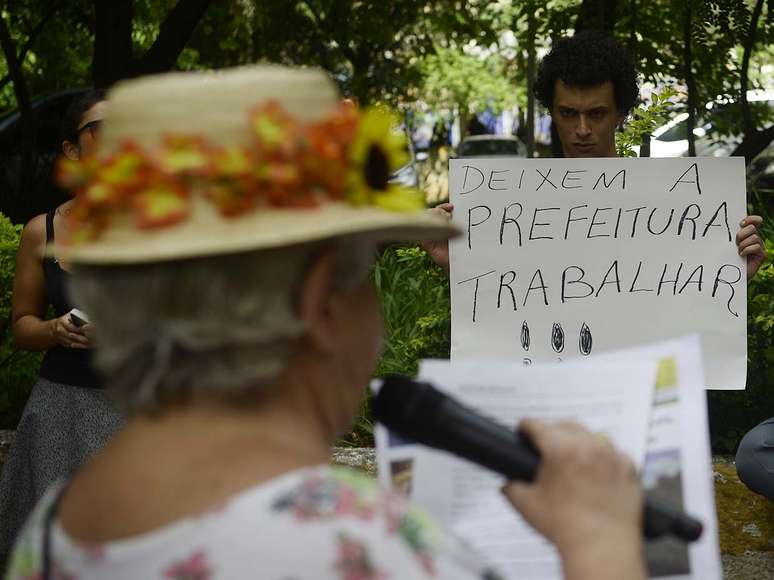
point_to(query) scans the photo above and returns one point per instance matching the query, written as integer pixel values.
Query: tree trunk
(34, 33)
(521, 65)
(689, 80)
(633, 29)
(754, 143)
(754, 140)
(112, 42)
(597, 15)
(174, 34)
(531, 78)
(744, 73)
(27, 121)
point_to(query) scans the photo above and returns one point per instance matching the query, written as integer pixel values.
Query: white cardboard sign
(564, 258)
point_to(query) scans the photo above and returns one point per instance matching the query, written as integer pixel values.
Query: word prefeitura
(520, 213)
(518, 224)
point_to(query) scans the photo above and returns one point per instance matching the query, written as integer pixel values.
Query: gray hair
(216, 327)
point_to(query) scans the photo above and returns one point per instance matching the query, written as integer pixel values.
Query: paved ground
(746, 521)
(743, 518)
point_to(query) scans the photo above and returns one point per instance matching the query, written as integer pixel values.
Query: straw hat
(200, 164)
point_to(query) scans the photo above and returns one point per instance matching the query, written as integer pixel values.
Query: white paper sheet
(677, 463)
(465, 498)
(601, 254)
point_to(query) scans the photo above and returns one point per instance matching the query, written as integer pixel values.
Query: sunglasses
(92, 127)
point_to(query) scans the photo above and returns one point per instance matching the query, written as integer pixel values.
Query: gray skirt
(62, 425)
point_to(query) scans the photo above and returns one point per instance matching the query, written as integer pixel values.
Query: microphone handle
(512, 455)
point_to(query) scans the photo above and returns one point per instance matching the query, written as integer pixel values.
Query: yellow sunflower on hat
(375, 153)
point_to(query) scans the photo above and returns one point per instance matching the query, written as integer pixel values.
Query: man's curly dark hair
(588, 59)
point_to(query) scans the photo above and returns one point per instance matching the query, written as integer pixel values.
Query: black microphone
(422, 413)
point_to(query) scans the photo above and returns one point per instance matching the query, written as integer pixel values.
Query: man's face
(586, 118)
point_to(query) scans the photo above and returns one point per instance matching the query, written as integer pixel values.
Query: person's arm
(439, 250)
(586, 500)
(29, 302)
(750, 244)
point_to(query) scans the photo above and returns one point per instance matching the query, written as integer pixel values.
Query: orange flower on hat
(160, 204)
(184, 155)
(276, 132)
(231, 198)
(347, 156)
(325, 166)
(124, 169)
(279, 182)
(232, 184)
(230, 162)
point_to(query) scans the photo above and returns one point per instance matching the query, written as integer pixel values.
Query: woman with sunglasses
(67, 416)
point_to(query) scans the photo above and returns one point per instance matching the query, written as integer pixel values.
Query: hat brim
(210, 234)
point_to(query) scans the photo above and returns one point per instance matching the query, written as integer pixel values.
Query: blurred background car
(408, 175)
(671, 139)
(491, 146)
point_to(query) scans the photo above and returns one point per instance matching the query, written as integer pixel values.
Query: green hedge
(733, 413)
(18, 369)
(414, 294)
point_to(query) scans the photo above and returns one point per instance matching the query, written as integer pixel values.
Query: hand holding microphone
(422, 413)
(586, 499)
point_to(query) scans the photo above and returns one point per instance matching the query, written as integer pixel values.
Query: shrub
(733, 413)
(414, 294)
(18, 369)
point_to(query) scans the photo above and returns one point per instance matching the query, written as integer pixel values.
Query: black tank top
(70, 366)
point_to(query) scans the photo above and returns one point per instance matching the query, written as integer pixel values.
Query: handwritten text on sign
(568, 257)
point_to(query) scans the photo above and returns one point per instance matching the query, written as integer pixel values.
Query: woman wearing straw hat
(231, 220)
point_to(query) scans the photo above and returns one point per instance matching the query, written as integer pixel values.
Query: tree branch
(23, 102)
(689, 79)
(744, 78)
(174, 34)
(112, 41)
(597, 15)
(316, 20)
(753, 143)
(34, 33)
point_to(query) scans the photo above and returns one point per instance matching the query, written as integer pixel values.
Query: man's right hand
(439, 250)
(586, 500)
(67, 334)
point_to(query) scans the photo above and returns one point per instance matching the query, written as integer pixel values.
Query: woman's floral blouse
(315, 523)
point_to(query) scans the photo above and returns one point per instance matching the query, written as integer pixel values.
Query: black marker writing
(695, 181)
(525, 335)
(557, 337)
(584, 340)
(475, 291)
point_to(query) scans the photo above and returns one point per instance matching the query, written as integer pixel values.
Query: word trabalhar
(573, 283)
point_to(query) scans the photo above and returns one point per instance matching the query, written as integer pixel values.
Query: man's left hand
(750, 244)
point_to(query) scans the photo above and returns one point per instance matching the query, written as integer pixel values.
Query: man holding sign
(583, 217)
(589, 85)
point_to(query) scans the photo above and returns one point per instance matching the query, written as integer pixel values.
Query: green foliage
(18, 370)
(414, 294)
(9, 241)
(470, 83)
(733, 413)
(644, 121)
